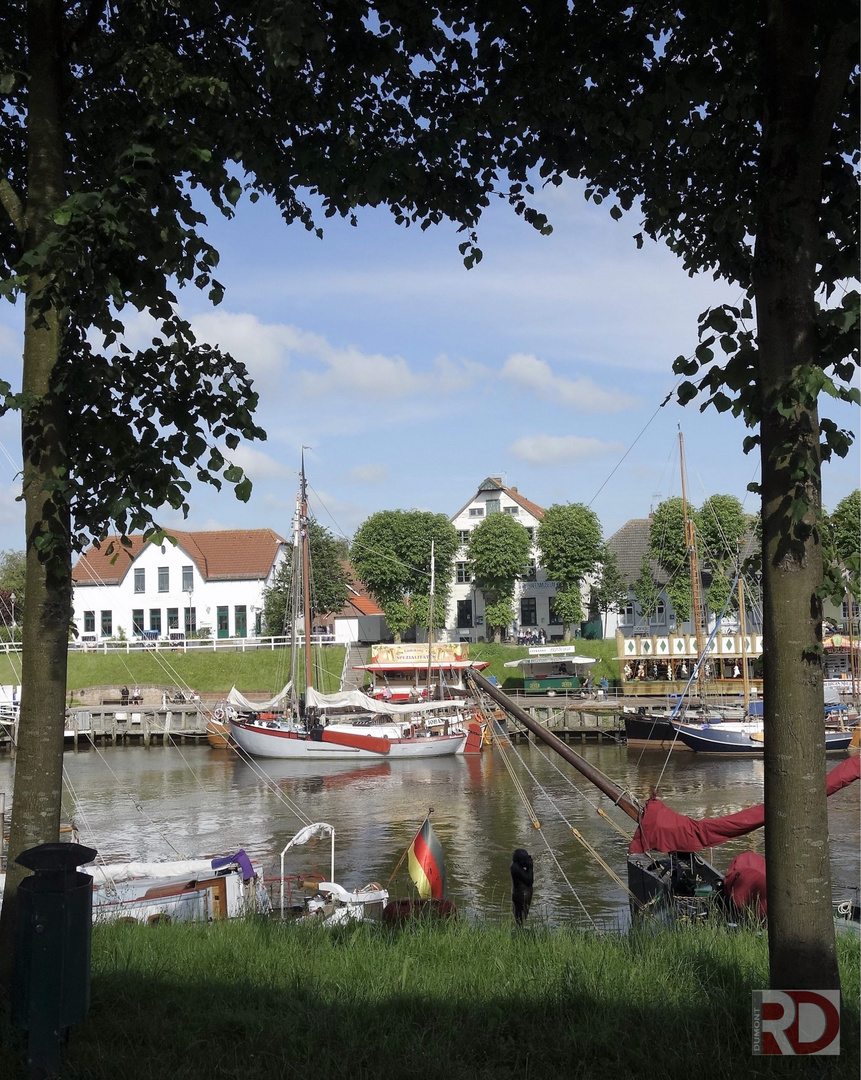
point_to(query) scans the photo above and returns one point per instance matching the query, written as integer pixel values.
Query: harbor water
(167, 802)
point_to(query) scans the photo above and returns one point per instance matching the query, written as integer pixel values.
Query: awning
(558, 658)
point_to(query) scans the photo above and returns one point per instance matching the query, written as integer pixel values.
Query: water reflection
(162, 802)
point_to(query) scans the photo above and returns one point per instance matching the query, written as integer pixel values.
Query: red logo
(791, 1022)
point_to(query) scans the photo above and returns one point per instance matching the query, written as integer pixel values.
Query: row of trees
(391, 554)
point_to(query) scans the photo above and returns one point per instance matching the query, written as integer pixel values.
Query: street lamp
(12, 599)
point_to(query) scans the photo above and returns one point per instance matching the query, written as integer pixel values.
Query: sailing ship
(666, 874)
(745, 737)
(348, 725)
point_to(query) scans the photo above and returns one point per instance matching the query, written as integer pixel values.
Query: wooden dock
(133, 725)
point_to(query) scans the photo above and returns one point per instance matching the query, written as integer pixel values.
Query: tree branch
(11, 203)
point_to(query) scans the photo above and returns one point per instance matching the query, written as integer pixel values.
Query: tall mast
(306, 572)
(430, 623)
(743, 629)
(691, 544)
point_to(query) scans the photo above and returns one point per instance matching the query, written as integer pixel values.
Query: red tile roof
(220, 555)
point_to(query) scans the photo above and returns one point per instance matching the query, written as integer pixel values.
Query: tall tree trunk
(799, 111)
(37, 792)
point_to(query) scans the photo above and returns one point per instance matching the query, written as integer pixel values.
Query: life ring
(373, 886)
(218, 714)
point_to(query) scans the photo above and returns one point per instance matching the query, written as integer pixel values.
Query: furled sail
(662, 829)
(272, 705)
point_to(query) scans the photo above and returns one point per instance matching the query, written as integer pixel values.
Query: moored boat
(743, 738)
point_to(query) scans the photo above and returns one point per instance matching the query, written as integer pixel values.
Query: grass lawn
(436, 1002)
(263, 670)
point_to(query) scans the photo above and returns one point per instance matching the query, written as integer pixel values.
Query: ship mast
(306, 573)
(691, 544)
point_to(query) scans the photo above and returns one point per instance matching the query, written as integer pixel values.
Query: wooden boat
(348, 725)
(191, 890)
(665, 872)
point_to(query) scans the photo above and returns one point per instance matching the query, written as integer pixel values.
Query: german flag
(427, 863)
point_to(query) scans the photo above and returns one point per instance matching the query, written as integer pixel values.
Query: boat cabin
(400, 672)
(553, 669)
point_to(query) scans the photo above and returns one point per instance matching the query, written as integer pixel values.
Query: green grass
(263, 670)
(452, 1002)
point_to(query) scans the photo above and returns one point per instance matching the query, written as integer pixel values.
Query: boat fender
(316, 733)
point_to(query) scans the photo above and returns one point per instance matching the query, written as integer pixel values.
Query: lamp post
(12, 599)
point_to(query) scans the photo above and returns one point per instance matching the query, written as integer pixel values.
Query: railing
(240, 644)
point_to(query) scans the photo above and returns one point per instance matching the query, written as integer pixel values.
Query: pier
(129, 725)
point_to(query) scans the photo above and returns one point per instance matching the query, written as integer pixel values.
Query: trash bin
(51, 971)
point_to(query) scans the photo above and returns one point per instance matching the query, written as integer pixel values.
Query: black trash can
(51, 973)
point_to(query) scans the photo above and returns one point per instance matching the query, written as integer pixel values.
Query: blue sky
(411, 379)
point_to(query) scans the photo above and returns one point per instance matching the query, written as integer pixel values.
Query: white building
(206, 582)
(533, 594)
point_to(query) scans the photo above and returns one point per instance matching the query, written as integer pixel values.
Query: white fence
(246, 644)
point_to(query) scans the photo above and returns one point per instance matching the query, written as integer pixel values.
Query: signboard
(417, 655)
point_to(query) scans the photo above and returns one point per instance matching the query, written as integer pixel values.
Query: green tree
(119, 121)
(646, 590)
(497, 555)
(668, 546)
(12, 584)
(723, 527)
(612, 591)
(843, 547)
(391, 553)
(733, 129)
(571, 546)
(329, 591)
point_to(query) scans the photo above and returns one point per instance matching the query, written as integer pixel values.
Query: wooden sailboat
(666, 872)
(364, 728)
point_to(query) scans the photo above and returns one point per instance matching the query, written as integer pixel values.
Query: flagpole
(409, 845)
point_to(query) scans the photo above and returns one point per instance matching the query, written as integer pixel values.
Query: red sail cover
(662, 829)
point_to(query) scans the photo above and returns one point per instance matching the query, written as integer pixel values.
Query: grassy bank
(265, 670)
(442, 1003)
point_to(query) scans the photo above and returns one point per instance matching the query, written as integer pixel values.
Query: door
(240, 622)
(222, 623)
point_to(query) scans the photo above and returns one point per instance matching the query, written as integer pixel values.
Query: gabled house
(533, 596)
(206, 584)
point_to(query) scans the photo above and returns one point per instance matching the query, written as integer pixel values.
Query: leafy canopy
(328, 574)
(571, 544)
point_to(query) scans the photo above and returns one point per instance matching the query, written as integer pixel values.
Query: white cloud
(582, 395)
(558, 449)
(368, 474)
(257, 465)
(264, 348)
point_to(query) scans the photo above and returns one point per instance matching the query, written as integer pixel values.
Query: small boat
(218, 726)
(329, 903)
(743, 738)
(348, 725)
(190, 890)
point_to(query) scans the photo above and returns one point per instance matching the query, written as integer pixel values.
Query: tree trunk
(795, 131)
(37, 792)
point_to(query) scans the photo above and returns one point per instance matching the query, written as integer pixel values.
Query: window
(530, 532)
(463, 535)
(107, 623)
(528, 612)
(190, 620)
(140, 580)
(513, 510)
(462, 572)
(555, 620)
(155, 619)
(173, 618)
(660, 613)
(493, 506)
(529, 573)
(626, 615)
(138, 622)
(164, 579)
(476, 511)
(464, 613)
(187, 578)
(845, 609)
(89, 622)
